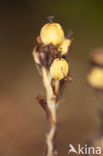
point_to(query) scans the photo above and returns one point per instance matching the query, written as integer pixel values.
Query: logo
(84, 150)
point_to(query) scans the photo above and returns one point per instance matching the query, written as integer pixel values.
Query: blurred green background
(22, 120)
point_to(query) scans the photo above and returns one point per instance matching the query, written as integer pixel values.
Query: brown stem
(51, 127)
(50, 136)
(50, 102)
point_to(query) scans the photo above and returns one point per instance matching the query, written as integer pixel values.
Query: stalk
(50, 106)
(52, 117)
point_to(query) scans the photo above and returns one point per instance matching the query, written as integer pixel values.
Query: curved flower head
(59, 69)
(64, 46)
(52, 33)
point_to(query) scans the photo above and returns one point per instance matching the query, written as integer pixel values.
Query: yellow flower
(52, 33)
(64, 46)
(95, 78)
(59, 69)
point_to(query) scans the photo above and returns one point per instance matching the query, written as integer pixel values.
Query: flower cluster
(54, 47)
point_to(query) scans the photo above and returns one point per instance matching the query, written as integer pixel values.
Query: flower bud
(52, 33)
(95, 78)
(59, 69)
(64, 46)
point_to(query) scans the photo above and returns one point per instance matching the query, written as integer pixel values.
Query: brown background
(22, 120)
